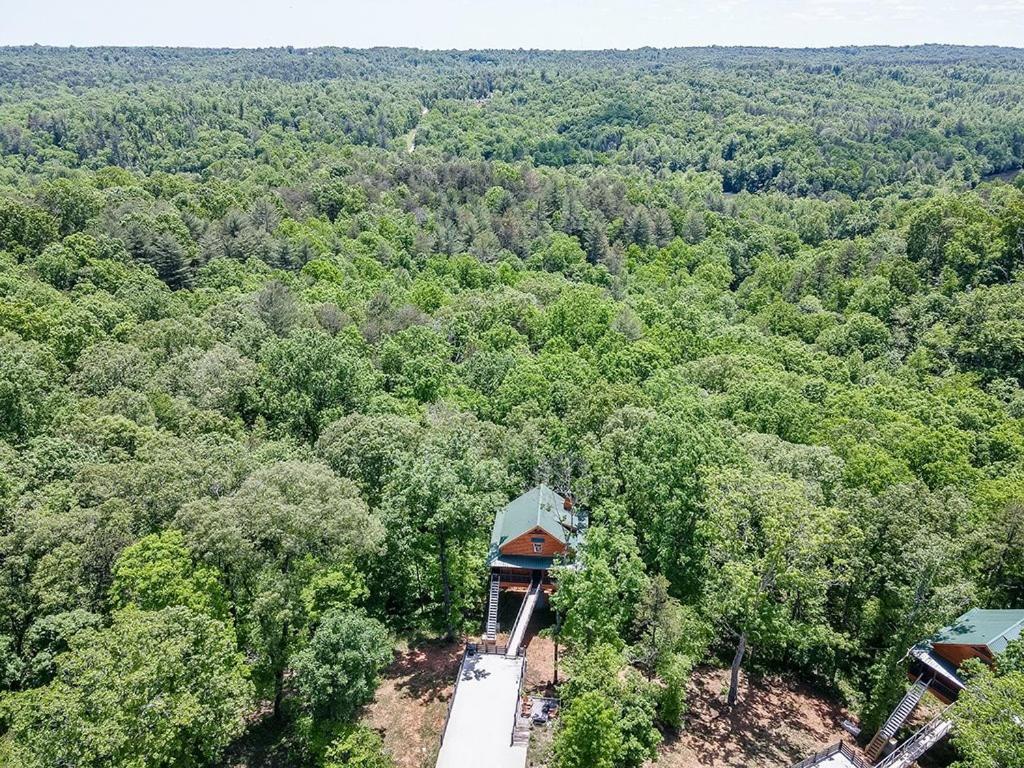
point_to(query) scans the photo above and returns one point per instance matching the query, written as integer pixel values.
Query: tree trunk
(734, 681)
(278, 692)
(653, 661)
(446, 588)
(1000, 569)
(558, 630)
(280, 663)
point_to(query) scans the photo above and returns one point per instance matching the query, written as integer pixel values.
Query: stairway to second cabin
(896, 720)
(907, 752)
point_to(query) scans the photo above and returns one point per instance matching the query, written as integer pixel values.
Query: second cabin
(978, 634)
(529, 534)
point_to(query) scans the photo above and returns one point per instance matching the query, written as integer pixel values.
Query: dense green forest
(281, 329)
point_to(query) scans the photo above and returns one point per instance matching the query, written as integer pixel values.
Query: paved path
(480, 726)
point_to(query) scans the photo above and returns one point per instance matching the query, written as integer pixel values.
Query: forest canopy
(281, 329)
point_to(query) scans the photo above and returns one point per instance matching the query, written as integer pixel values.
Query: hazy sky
(511, 23)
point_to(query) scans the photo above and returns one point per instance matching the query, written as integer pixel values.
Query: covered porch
(516, 574)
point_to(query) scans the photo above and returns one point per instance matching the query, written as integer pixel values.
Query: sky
(510, 23)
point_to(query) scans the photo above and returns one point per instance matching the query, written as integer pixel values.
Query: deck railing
(825, 754)
(515, 578)
(455, 690)
(519, 699)
(496, 649)
(481, 648)
(534, 586)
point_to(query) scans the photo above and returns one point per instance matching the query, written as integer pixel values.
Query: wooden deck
(483, 714)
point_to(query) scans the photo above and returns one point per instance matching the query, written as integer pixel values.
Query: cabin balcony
(518, 580)
(938, 673)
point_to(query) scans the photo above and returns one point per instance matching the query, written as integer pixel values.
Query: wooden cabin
(529, 534)
(934, 667)
(978, 634)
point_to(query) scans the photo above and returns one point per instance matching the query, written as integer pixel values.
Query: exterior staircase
(896, 720)
(492, 607)
(521, 730)
(907, 752)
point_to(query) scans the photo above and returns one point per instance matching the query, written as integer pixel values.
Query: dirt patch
(411, 703)
(776, 724)
(540, 654)
(540, 753)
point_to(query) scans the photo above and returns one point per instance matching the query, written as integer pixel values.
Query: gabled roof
(994, 629)
(539, 507)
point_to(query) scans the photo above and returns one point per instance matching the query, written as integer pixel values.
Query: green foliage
(24, 230)
(73, 204)
(602, 669)
(47, 638)
(768, 549)
(988, 714)
(437, 504)
(309, 379)
(28, 373)
(588, 736)
(590, 600)
(957, 242)
(562, 254)
(285, 530)
(100, 708)
(337, 672)
(266, 371)
(158, 571)
(360, 748)
(368, 448)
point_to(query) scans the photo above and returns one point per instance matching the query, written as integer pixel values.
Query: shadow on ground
(776, 724)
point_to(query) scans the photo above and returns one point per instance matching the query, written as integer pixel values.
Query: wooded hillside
(281, 329)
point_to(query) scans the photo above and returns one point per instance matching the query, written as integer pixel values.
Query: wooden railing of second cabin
(825, 754)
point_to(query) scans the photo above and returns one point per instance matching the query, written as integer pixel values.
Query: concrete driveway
(480, 726)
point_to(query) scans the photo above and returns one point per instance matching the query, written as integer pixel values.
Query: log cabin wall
(957, 654)
(524, 544)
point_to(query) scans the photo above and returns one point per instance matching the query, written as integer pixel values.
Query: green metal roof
(994, 629)
(538, 507)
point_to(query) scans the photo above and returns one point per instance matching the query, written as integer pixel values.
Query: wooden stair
(492, 607)
(521, 731)
(899, 716)
(907, 752)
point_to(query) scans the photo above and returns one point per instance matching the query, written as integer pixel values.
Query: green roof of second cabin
(994, 629)
(538, 507)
